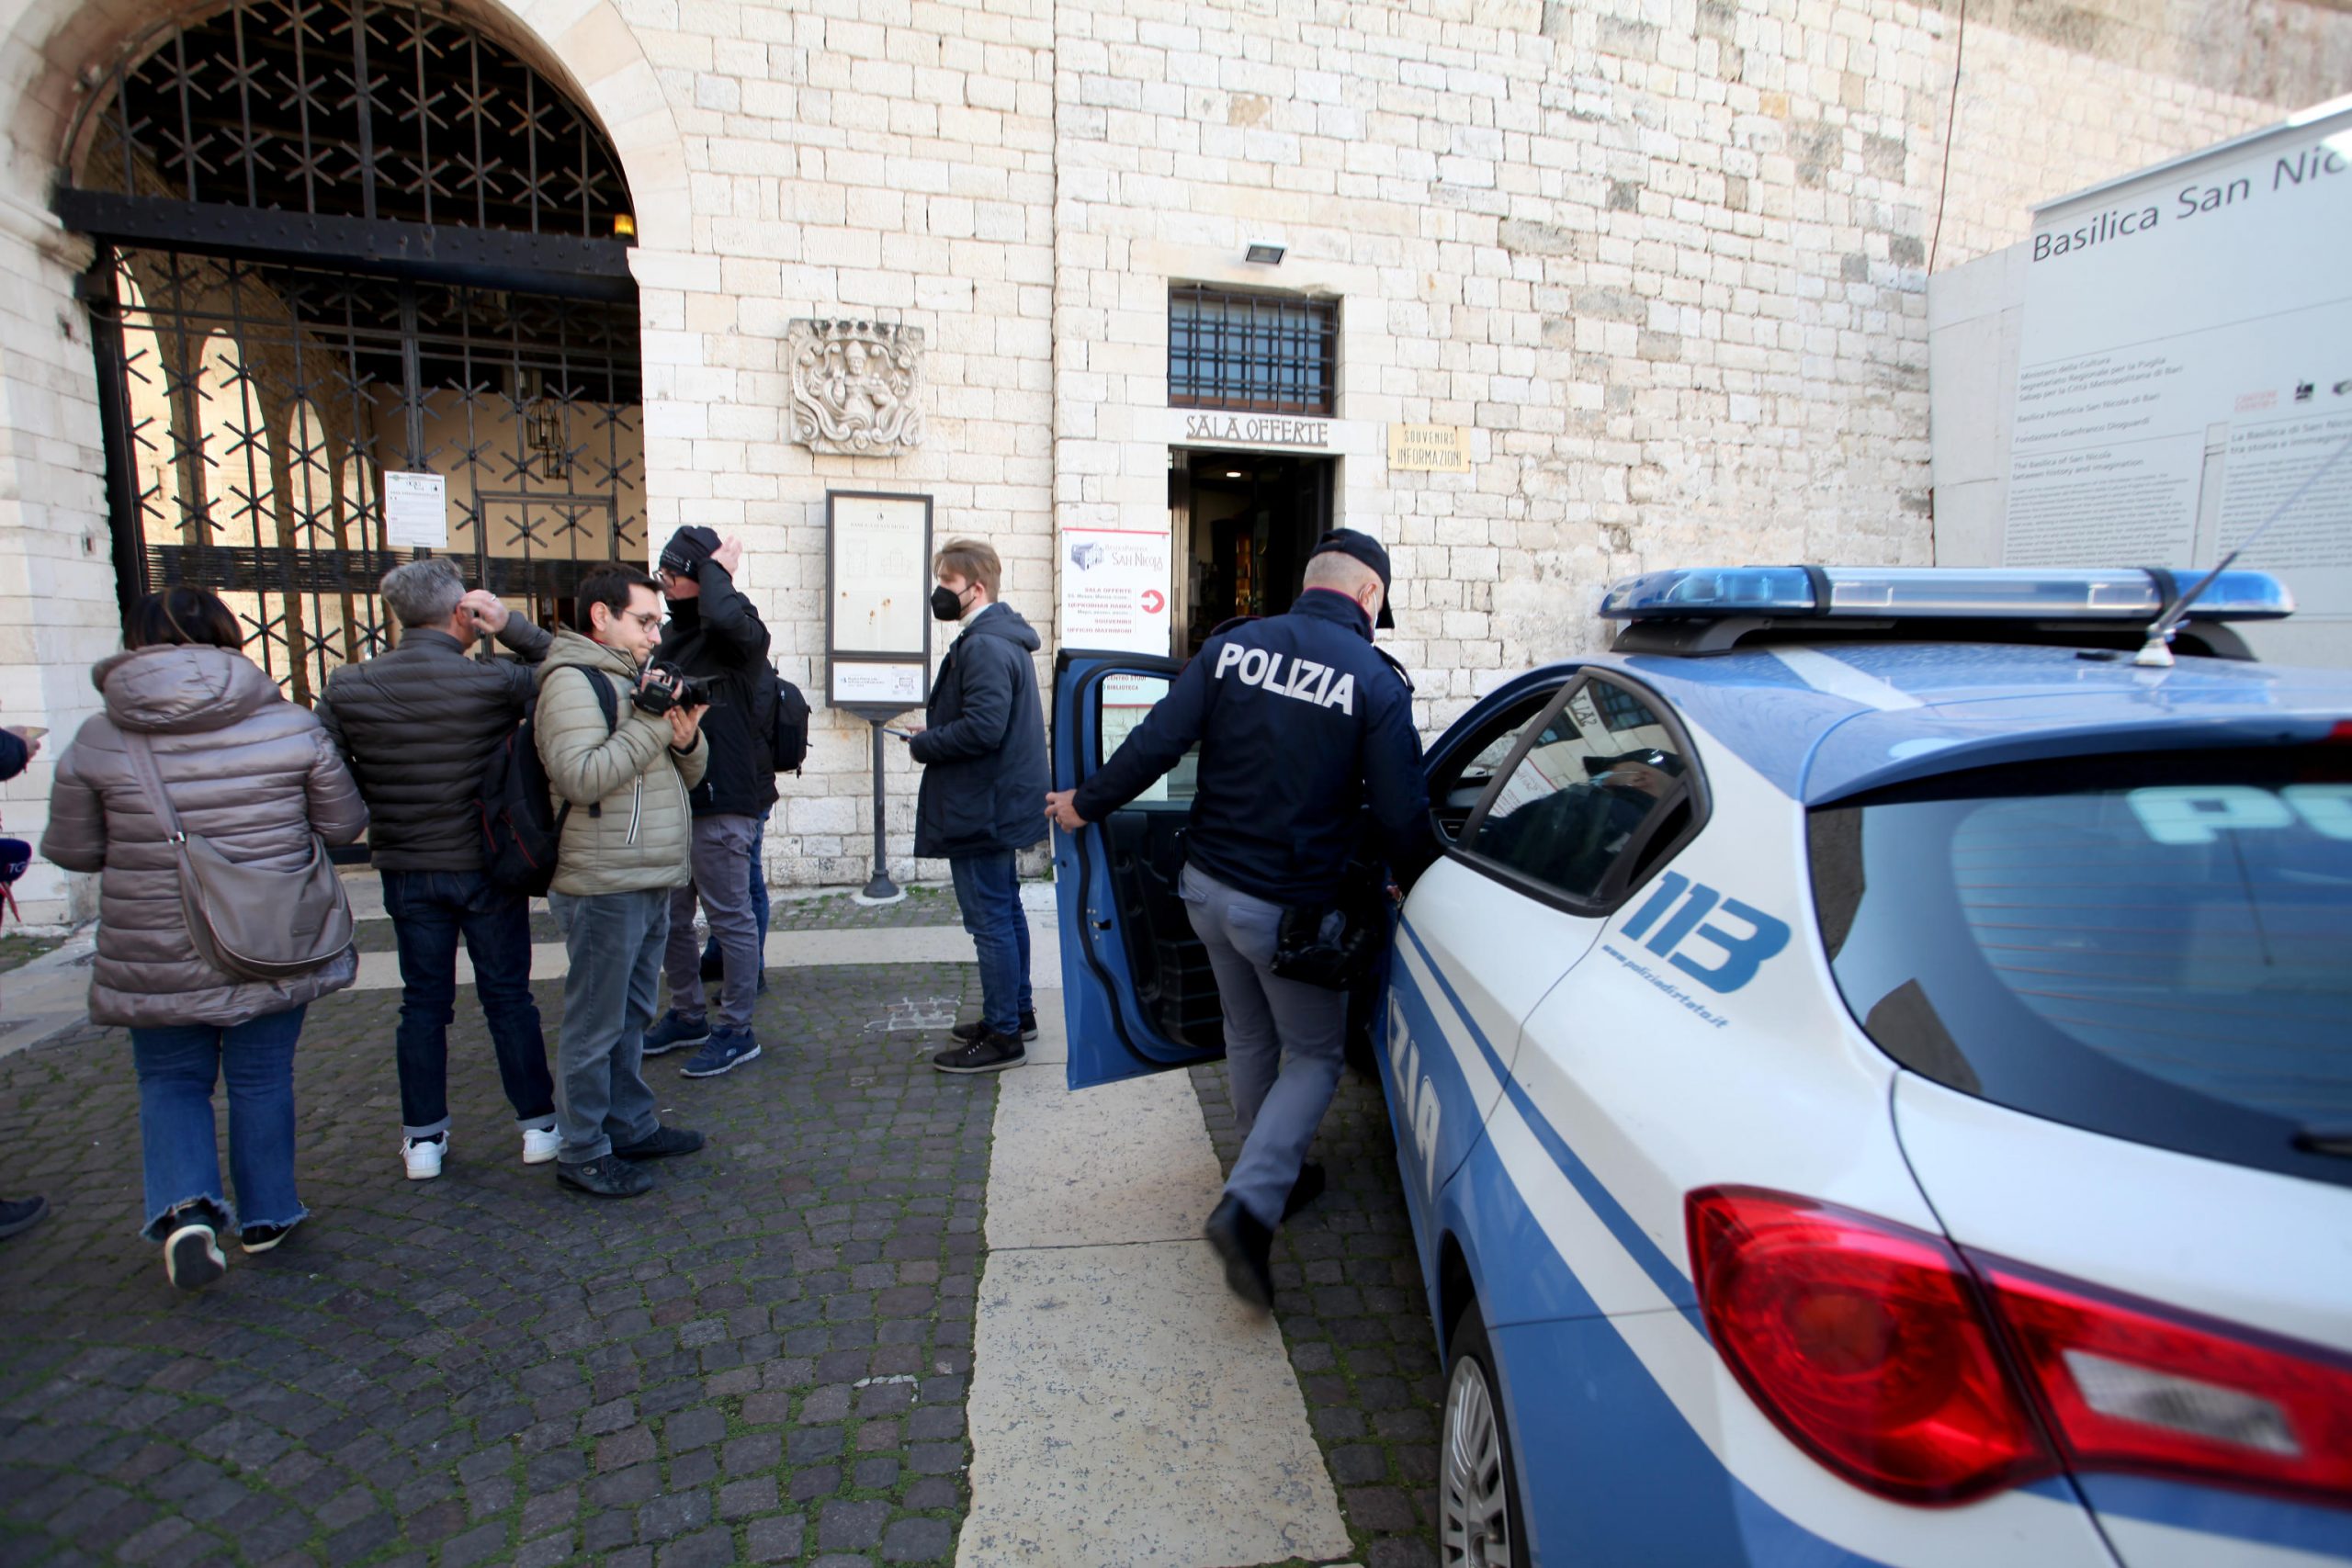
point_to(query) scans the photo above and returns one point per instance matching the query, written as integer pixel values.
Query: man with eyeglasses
(622, 751)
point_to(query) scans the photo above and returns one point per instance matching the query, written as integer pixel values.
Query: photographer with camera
(715, 639)
(622, 743)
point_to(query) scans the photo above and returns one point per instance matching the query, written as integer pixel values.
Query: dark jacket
(718, 637)
(244, 768)
(15, 755)
(983, 744)
(1300, 725)
(417, 725)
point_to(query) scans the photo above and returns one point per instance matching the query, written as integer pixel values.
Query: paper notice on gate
(416, 512)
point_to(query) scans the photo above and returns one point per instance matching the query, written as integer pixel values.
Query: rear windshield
(2157, 946)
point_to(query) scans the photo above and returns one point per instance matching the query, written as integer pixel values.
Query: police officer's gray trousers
(1284, 1041)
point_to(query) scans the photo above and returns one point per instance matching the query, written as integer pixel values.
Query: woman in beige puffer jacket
(257, 776)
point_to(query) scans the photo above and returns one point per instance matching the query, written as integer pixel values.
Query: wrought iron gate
(341, 240)
(260, 407)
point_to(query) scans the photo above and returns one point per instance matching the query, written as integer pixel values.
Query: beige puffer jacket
(245, 769)
(631, 827)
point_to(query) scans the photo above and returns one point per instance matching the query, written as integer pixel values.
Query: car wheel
(1477, 1499)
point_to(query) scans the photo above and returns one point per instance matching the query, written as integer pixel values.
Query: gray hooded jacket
(244, 768)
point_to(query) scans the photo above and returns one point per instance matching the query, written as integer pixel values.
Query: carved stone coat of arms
(856, 387)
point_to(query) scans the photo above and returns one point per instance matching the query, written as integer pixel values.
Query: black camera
(666, 686)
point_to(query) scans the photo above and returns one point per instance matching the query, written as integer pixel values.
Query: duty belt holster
(1333, 945)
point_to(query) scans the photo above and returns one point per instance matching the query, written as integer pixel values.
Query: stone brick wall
(852, 159)
(1666, 261)
(1665, 258)
(58, 609)
(2044, 113)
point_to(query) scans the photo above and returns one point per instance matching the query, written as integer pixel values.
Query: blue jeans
(615, 942)
(430, 910)
(177, 1065)
(989, 889)
(759, 895)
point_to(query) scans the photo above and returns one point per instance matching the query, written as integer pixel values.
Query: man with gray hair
(417, 725)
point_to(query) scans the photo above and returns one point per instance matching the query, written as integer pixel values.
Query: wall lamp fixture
(1265, 256)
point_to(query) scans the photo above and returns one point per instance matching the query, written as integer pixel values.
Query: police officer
(1301, 723)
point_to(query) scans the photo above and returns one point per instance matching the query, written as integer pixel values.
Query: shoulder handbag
(249, 922)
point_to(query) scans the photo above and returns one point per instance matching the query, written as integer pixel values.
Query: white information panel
(866, 684)
(881, 572)
(416, 512)
(1114, 590)
(877, 600)
(2186, 366)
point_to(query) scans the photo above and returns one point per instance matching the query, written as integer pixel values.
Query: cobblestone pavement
(1348, 1297)
(765, 1359)
(827, 913)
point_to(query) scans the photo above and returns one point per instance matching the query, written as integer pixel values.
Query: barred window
(1256, 353)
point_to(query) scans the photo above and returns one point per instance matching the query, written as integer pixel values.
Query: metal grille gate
(261, 406)
(339, 240)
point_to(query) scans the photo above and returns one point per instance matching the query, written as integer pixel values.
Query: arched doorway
(337, 241)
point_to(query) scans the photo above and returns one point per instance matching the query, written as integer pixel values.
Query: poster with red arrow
(1114, 588)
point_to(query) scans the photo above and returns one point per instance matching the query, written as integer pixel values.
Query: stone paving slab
(764, 1361)
(1348, 1298)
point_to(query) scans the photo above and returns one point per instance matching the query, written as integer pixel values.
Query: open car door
(1137, 993)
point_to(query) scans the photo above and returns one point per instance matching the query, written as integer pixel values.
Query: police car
(1871, 1073)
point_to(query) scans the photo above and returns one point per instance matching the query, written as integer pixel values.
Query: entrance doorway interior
(1243, 523)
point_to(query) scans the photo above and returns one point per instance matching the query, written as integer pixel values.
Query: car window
(1588, 790)
(1456, 792)
(2152, 947)
(1123, 701)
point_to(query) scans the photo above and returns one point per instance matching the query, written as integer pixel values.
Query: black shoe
(605, 1177)
(1305, 1190)
(1246, 1246)
(969, 1033)
(261, 1238)
(192, 1256)
(662, 1143)
(991, 1054)
(21, 1215)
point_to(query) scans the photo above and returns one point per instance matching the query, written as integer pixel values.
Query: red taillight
(1864, 1341)
(2125, 1387)
(1872, 1346)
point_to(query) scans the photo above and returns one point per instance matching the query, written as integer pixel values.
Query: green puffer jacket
(630, 827)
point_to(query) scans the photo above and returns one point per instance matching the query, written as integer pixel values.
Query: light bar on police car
(2128, 593)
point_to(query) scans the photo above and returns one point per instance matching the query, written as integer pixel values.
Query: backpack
(787, 726)
(522, 827)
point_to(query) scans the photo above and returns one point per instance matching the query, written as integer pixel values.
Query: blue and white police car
(1871, 1073)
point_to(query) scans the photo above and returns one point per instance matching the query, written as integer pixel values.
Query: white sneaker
(540, 1143)
(422, 1156)
(192, 1256)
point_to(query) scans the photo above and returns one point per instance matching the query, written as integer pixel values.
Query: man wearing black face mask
(983, 745)
(715, 636)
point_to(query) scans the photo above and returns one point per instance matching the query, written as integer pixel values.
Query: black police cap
(1362, 546)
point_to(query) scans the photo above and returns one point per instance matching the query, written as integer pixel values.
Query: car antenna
(2156, 653)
